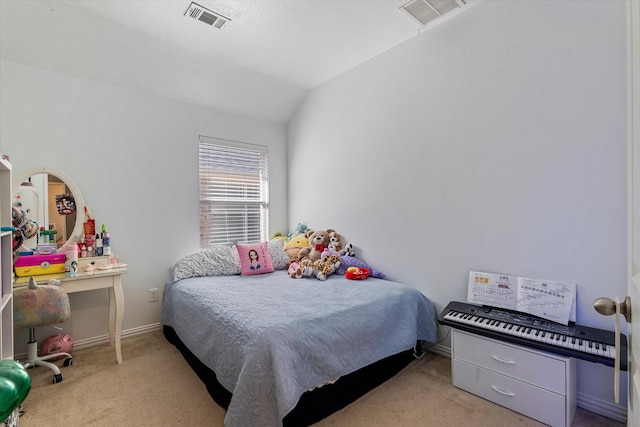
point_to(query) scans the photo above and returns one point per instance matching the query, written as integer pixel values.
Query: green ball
(15, 385)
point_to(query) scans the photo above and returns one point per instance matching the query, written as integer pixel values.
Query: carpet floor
(154, 386)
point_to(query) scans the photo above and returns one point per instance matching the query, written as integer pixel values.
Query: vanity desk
(89, 281)
(37, 193)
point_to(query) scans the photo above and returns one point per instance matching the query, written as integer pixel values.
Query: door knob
(607, 306)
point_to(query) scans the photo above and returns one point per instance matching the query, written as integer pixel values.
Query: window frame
(233, 192)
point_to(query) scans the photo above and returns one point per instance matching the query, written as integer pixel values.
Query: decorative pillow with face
(254, 259)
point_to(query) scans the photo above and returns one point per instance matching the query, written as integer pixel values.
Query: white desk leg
(112, 315)
(116, 313)
(117, 290)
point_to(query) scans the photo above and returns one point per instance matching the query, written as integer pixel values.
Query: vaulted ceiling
(267, 52)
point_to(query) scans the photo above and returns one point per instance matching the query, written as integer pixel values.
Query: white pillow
(220, 260)
(279, 258)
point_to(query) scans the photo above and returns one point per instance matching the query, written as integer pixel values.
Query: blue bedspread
(269, 338)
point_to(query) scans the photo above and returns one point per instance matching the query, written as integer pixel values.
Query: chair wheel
(68, 361)
(57, 378)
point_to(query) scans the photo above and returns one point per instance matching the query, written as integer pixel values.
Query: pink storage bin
(33, 265)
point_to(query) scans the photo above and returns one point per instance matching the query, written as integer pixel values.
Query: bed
(279, 351)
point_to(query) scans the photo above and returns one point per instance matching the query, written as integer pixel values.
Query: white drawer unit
(96, 261)
(537, 384)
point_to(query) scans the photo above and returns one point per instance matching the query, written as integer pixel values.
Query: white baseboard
(601, 407)
(592, 404)
(440, 350)
(104, 339)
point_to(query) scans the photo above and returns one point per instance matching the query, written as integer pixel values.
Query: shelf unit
(6, 263)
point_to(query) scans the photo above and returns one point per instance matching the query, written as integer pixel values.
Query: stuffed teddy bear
(318, 242)
(294, 245)
(335, 244)
(320, 269)
(326, 266)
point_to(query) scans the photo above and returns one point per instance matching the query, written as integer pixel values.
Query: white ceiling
(260, 64)
(304, 42)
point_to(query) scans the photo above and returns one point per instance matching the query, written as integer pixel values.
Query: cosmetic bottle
(72, 258)
(106, 244)
(99, 247)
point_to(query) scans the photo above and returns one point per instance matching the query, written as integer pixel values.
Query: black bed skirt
(313, 405)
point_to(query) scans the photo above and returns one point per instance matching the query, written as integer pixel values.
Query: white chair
(41, 305)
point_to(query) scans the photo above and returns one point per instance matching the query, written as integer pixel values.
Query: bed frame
(316, 404)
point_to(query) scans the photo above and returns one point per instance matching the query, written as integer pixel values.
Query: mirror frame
(78, 229)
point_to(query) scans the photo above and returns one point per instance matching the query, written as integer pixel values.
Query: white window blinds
(234, 192)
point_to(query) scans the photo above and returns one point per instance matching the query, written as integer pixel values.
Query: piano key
(572, 340)
(582, 346)
(543, 336)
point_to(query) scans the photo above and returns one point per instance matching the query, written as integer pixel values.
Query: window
(234, 192)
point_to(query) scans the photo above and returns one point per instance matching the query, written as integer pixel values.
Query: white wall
(495, 142)
(134, 156)
(105, 105)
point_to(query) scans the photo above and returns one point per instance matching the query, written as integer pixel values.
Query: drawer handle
(506, 393)
(508, 362)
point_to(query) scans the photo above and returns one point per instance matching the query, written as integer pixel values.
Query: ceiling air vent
(205, 15)
(428, 11)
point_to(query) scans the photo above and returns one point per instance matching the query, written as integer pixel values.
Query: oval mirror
(53, 201)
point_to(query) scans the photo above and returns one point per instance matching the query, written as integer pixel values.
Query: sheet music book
(549, 299)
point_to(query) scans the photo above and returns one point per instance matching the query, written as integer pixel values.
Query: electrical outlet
(153, 295)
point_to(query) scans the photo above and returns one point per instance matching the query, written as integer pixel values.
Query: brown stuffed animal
(336, 244)
(320, 268)
(326, 266)
(318, 242)
(335, 241)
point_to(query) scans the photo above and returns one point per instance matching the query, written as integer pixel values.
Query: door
(634, 213)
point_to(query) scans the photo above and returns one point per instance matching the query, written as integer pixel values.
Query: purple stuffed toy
(350, 261)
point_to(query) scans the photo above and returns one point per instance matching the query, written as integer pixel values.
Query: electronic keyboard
(582, 342)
